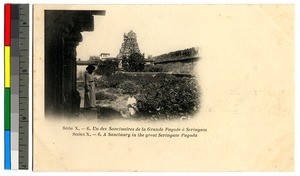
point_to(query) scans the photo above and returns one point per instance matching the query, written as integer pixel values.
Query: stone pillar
(62, 36)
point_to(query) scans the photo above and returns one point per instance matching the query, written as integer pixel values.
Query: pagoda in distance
(129, 45)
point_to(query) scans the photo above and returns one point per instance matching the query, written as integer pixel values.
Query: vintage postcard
(163, 88)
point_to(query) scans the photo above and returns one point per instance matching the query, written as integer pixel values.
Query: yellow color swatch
(7, 66)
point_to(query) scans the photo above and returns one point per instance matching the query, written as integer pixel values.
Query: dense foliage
(153, 68)
(159, 95)
(129, 87)
(169, 96)
(107, 67)
(134, 63)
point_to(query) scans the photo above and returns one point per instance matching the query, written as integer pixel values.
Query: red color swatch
(7, 24)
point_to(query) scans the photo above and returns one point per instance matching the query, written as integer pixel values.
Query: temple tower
(129, 45)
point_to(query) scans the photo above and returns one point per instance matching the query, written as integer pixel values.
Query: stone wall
(178, 67)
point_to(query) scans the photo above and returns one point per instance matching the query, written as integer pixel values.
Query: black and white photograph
(98, 65)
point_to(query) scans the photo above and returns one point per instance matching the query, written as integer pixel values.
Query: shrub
(153, 68)
(107, 67)
(106, 83)
(128, 87)
(170, 96)
(159, 94)
(134, 63)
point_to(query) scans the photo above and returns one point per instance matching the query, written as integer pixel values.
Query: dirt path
(112, 102)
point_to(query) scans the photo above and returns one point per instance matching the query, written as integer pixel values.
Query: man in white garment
(89, 88)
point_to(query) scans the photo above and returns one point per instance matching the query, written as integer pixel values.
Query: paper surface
(246, 77)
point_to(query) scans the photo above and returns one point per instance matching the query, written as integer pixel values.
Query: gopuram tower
(129, 45)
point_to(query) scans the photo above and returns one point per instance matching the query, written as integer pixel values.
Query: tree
(134, 63)
(107, 67)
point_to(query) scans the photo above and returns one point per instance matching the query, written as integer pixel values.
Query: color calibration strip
(16, 40)
(7, 137)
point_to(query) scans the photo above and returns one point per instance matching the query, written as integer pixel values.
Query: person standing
(89, 87)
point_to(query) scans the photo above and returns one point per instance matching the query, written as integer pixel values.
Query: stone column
(62, 36)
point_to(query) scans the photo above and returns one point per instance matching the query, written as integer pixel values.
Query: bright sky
(158, 30)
